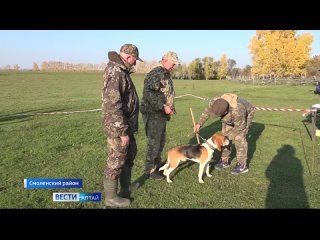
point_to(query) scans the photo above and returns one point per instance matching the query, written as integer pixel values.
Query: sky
(24, 47)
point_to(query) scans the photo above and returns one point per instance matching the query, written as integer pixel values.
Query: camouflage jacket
(158, 90)
(236, 117)
(120, 102)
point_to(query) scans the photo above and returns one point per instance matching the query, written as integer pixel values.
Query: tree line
(275, 54)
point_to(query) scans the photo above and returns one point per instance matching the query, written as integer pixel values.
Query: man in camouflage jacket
(236, 115)
(120, 110)
(157, 106)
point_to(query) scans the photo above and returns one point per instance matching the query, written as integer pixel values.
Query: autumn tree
(180, 72)
(44, 66)
(223, 67)
(35, 67)
(278, 53)
(184, 70)
(235, 73)
(195, 69)
(16, 67)
(208, 67)
(313, 67)
(246, 72)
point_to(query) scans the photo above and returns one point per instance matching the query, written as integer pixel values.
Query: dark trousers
(155, 129)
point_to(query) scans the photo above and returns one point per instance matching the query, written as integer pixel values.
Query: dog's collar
(206, 141)
(210, 146)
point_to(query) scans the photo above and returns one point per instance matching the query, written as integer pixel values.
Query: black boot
(156, 175)
(125, 180)
(126, 187)
(158, 163)
(111, 198)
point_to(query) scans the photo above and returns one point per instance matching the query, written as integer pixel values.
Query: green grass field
(282, 171)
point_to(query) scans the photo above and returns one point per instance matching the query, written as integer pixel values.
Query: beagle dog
(200, 153)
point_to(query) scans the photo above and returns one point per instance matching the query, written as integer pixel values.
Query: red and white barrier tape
(306, 111)
(50, 113)
(281, 109)
(188, 94)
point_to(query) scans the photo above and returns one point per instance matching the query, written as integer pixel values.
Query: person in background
(120, 111)
(157, 107)
(317, 90)
(236, 115)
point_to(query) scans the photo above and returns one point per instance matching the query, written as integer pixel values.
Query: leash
(205, 140)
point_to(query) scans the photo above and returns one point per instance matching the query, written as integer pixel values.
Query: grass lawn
(283, 162)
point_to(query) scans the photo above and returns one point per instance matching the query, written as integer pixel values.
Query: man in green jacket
(157, 107)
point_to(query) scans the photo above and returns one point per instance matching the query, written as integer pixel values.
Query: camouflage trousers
(119, 155)
(155, 129)
(239, 141)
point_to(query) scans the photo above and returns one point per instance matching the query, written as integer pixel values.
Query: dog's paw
(201, 181)
(169, 181)
(209, 175)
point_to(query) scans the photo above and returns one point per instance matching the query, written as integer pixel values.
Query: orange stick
(194, 125)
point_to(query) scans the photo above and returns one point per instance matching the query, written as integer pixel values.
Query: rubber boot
(111, 198)
(126, 187)
(125, 181)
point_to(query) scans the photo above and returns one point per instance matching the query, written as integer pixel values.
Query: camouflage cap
(172, 56)
(219, 108)
(131, 50)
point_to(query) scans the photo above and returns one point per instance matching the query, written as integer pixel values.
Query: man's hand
(168, 110)
(196, 128)
(125, 140)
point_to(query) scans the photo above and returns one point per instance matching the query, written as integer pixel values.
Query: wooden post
(194, 125)
(314, 140)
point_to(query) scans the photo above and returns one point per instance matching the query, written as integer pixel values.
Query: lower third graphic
(77, 197)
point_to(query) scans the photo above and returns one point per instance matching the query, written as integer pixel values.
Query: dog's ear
(218, 141)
